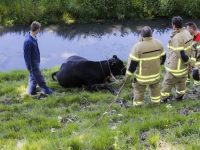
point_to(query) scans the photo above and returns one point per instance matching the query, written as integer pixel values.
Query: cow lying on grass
(78, 71)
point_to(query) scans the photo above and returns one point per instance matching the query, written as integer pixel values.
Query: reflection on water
(94, 41)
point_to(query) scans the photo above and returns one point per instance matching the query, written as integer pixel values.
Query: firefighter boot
(180, 98)
(166, 100)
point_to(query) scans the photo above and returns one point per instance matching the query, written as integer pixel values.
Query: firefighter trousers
(194, 73)
(188, 78)
(167, 84)
(196, 76)
(139, 91)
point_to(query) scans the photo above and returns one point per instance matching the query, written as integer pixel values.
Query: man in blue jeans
(32, 60)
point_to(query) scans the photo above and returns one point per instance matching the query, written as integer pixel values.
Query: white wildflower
(105, 113)
(169, 106)
(59, 119)
(119, 122)
(114, 127)
(73, 132)
(53, 130)
(69, 120)
(19, 145)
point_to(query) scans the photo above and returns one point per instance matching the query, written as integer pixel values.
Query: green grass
(57, 122)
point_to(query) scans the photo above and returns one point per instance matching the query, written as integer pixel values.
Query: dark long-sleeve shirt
(31, 52)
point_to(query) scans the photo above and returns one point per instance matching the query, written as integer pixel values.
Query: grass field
(57, 122)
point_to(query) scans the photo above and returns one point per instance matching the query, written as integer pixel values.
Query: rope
(115, 78)
(108, 107)
(102, 69)
(112, 74)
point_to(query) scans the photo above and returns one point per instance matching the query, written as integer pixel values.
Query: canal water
(93, 41)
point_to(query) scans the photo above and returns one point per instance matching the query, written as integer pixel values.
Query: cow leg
(104, 86)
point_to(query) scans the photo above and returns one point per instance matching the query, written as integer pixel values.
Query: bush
(65, 11)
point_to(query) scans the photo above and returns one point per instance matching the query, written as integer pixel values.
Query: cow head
(117, 66)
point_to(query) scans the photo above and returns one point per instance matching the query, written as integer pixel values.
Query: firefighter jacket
(196, 40)
(180, 40)
(148, 53)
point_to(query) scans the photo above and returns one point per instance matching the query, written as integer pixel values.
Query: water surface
(93, 41)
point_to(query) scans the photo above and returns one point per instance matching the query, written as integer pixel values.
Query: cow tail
(54, 75)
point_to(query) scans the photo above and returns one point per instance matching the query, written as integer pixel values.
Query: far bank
(13, 12)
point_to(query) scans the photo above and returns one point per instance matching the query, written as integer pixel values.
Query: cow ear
(113, 61)
(115, 56)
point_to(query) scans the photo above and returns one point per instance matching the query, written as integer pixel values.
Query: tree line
(83, 11)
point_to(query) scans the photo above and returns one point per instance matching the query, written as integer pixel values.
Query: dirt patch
(144, 135)
(1, 110)
(69, 119)
(7, 101)
(5, 120)
(196, 109)
(84, 104)
(166, 146)
(192, 95)
(194, 91)
(41, 96)
(185, 96)
(129, 140)
(184, 111)
(131, 95)
(161, 145)
(123, 103)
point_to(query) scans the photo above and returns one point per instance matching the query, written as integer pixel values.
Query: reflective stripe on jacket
(148, 53)
(180, 40)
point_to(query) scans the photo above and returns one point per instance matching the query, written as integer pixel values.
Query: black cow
(78, 71)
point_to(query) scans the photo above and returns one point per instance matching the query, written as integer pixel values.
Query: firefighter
(180, 60)
(192, 28)
(144, 60)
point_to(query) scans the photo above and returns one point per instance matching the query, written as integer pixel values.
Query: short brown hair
(35, 25)
(177, 21)
(192, 25)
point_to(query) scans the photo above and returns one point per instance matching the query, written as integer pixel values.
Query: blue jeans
(36, 77)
